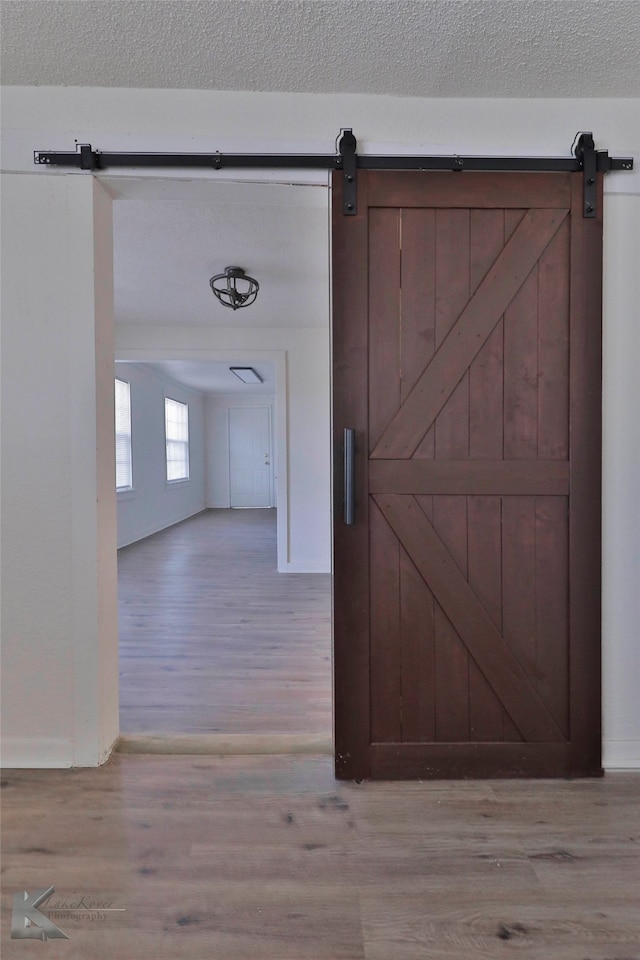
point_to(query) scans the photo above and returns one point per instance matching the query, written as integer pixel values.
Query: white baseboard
(223, 745)
(151, 531)
(21, 753)
(621, 754)
(305, 566)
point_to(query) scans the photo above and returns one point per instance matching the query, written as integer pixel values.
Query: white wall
(301, 421)
(621, 482)
(45, 207)
(217, 442)
(154, 504)
(59, 623)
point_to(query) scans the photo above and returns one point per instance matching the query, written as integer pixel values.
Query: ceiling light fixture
(247, 374)
(234, 288)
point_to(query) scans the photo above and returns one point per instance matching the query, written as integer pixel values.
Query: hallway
(213, 640)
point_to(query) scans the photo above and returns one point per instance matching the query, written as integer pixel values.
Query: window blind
(123, 435)
(176, 418)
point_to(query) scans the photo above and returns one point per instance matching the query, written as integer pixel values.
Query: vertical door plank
(487, 237)
(486, 371)
(521, 372)
(452, 682)
(452, 268)
(417, 348)
(553, 348)
(485, 577)
(417, 654)
(386, 716)
(452, 293)
(485, 399)
(384, 320)
(518, 579)
(451, 657)
(552, 604)
(451, 442)
(418, 293)
(384, 401)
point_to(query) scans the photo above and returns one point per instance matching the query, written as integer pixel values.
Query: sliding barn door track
(584, 158)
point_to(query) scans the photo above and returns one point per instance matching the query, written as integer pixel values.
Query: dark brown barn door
(467, 340)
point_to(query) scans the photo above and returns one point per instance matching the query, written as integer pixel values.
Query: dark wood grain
(469, 333)
(384, 320)
(519, 580)
(458, 761)
(417, 654)
(484, 558)
(521, 372)
(506, 477)
(488, 721)
(552, 606)
(585, 373)
(553, 347)
(471, 621)
(486, 389)
(452, 660)
(476, 404)
(470, 190)
(386, 693)
(351, 656)
(418, 305)
(452, 294)
(417, 606)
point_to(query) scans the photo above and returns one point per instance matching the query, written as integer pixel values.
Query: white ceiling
(216, 377)
(423, 48)
(166, 252)
(171, 237)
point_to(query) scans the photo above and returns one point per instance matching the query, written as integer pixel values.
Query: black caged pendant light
(234, 288)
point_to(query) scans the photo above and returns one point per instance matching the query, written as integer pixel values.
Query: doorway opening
(216, 644)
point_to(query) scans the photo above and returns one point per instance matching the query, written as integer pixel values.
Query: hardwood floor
(214, 641)
(268, 858)
(183, 857)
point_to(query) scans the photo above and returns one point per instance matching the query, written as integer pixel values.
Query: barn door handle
(349, 475)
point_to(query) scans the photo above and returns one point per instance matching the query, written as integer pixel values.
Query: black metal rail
(585, 159)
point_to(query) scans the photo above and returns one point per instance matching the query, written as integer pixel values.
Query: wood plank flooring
(268, 858)
(213, 640)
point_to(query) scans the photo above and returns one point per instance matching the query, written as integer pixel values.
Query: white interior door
(250, 457)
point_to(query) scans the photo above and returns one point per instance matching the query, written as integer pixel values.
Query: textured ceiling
(424, 48)
(165, 251)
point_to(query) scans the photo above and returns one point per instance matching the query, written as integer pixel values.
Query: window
(123, 435)
(176, 421)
